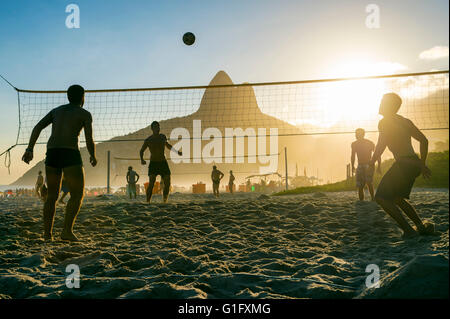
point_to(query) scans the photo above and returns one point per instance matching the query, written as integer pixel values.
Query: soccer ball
(188, 38)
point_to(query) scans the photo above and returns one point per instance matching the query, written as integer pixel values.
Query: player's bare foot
(426, 229)
(410, 235)
(68, 236)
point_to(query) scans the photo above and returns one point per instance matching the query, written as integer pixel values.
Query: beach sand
(242, 246)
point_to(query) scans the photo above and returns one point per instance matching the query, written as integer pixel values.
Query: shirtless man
(63, 156)
(132, 179)
(231, 182)
(216, 177)
(363, 148)
(395, 132)
(39, 184)
(156, 144)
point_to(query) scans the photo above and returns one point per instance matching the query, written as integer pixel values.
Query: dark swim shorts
(398, 181)
(63, 157)
(158, 168)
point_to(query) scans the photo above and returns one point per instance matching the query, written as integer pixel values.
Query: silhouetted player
(39, 184)
(63, 156)
(363, 148)
(395, 132)
(231, 182)
(216, 177)
(132, 179)
(156, 144)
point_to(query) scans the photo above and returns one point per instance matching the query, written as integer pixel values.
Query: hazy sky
(138, 44)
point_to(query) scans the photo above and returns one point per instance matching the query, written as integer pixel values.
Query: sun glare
(344, 104)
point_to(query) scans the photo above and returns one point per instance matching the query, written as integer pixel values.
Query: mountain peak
(228, 103)
(221, 78)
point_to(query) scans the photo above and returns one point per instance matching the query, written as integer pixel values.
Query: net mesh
(295, 108)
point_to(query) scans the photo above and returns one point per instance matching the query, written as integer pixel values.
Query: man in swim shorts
(63, 156)
(363, 148)
(395, 132)
(132, 179)
(39, 184)
(156, 143)
(216, 177)
(231, 182)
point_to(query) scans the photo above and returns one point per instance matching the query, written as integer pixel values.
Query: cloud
(437, 52)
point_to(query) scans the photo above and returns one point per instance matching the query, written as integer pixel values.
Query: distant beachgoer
(363, 148)
(64, 190)
(231, 182)
(395, 132)
(132, 179)
(44, 193)
(39, 184)
(63, 156)
(156, 144)
(216, 177)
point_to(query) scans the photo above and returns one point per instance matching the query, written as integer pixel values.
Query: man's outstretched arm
(379, 164)
(43, 123)
(419, 136)
(353, 158)
(90, 145)
(378, 159)
(379, 149)
(141, 152)
(170, 148)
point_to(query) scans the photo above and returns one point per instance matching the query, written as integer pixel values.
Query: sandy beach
(242, 246)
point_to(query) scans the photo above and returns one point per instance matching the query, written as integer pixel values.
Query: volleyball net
(330, 106)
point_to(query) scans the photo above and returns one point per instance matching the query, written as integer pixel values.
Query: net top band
(243, 84)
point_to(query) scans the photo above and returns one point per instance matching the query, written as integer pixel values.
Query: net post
(108, 172)
(286, 164)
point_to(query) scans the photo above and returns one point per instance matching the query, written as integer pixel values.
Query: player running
(395, 132)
